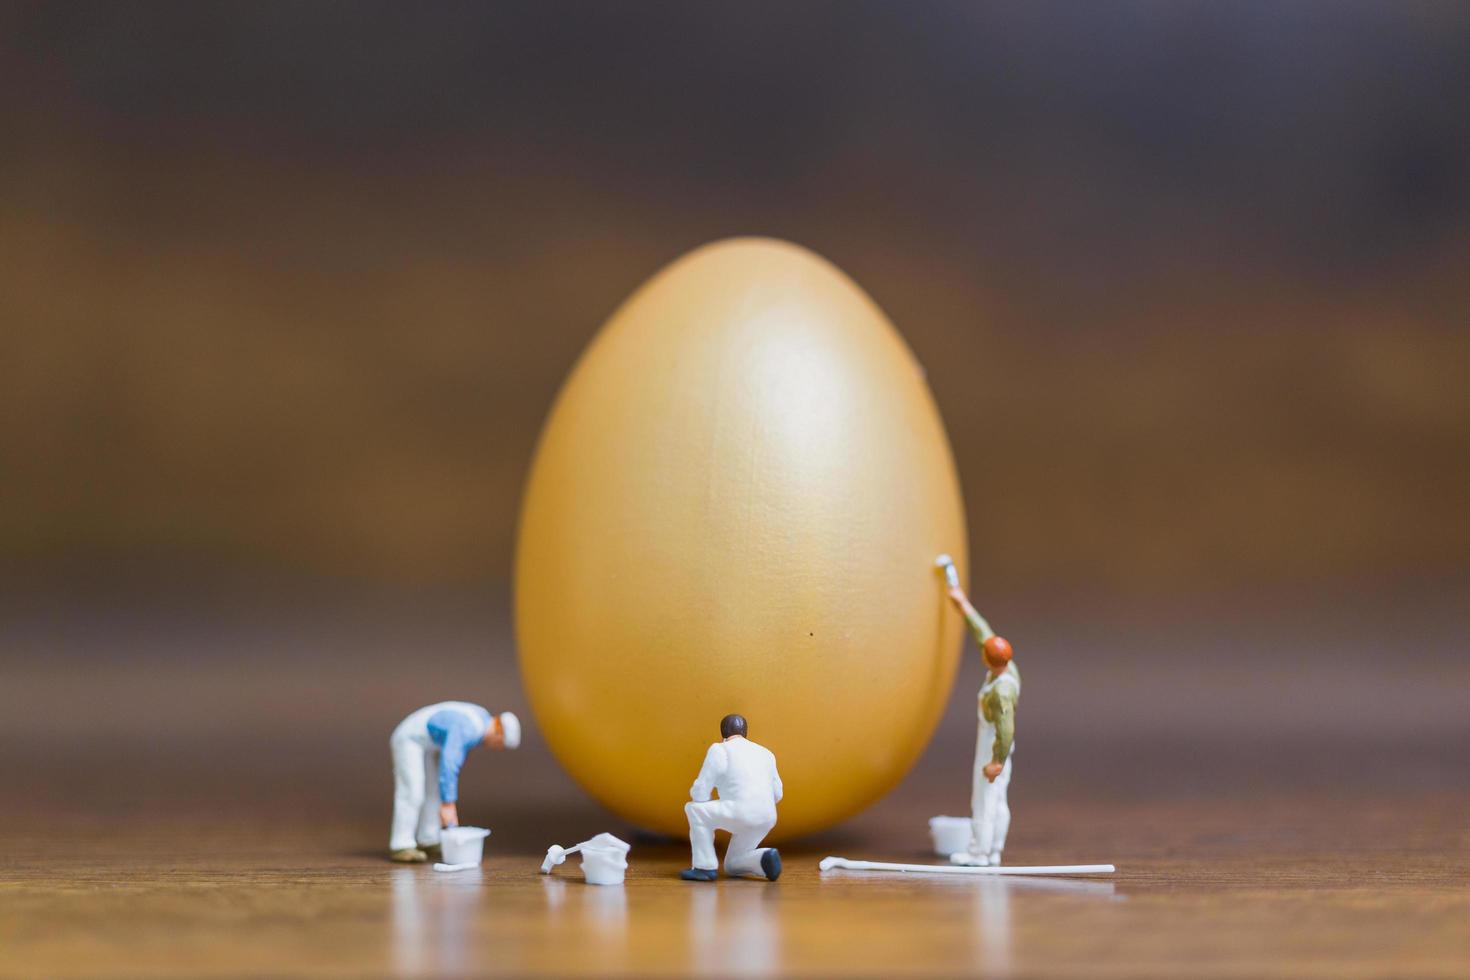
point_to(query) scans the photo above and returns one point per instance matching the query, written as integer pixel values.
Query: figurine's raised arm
(978, 626)
(709, 774)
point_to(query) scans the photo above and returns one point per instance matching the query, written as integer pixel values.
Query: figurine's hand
(448, 815)
(992, 770)
(957, 596)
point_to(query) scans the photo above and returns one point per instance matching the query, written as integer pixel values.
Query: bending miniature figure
(744, 774)
(996, 741)
(429, 747)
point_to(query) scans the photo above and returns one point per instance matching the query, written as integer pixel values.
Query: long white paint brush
(830, 863)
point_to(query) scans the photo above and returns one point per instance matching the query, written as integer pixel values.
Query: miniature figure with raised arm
(429, 747)
(990, 813)
(744, 775)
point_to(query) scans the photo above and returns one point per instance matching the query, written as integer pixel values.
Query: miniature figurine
(429, 747)
(990, 813)
(744, 774)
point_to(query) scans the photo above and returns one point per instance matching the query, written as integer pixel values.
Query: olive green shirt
(998, 704)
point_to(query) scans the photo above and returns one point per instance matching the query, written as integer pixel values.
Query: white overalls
(416, 774)
(990, 815)
(745, 775)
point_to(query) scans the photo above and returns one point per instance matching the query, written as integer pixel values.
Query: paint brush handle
(556, 854)
(960, 869)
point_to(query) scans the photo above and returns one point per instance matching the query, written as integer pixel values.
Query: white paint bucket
(463, 845)
(604, 860)
(950, 834)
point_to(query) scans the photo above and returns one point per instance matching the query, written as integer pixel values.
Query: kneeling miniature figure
(744, 775)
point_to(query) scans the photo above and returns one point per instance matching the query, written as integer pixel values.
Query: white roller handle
(556, 854)
(960, 869)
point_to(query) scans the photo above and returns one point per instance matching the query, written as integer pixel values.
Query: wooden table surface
(1301, 884)
(208, 797)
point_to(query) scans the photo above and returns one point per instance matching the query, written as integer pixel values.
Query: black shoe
(700, 874)
(771, 863)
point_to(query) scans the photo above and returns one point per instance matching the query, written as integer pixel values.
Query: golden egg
(735, 507)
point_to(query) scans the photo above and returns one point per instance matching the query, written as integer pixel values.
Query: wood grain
(193, 791)
(1307, 885)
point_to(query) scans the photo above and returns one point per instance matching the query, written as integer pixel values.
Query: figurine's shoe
(969, 860)
(771, 863)
(435, 851)
(995, 859)
(409, 855)
(697, 874)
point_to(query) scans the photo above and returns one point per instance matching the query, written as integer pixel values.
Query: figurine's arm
(776, 782)
(1002, 705)
(978, 625)
(709, 774)
(454, 734)
(451, 758)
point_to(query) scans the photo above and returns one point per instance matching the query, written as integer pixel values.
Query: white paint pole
(830, 863)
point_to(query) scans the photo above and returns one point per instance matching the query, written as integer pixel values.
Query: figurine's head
(504, 731)
(997, 653)
(732, 725)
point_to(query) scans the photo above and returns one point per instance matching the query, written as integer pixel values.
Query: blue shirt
(455, 733)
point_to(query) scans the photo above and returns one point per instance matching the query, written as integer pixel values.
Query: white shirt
(743, 772)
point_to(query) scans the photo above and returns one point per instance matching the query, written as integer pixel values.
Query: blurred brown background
(287, 290)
